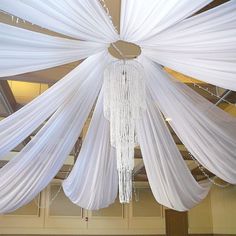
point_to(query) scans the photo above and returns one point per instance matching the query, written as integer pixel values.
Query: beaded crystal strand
(124, 103)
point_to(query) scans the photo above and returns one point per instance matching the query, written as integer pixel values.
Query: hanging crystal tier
(124, 103)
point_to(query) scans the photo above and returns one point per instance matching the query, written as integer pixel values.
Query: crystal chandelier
(124, 103)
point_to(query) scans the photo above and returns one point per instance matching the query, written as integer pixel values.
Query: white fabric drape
(15, 128)
(93, 182)
(24, 51)
(81, 19)
(171, 182)
(203, 46)
(33, 168)
(208, 132)
(142, 20)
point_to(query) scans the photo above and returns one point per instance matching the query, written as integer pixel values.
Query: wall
(216, 214)
(145, 217)
(223, 204)
(200, 218)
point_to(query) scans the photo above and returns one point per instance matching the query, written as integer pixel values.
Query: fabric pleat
(23, 51)
(208, 132)
(171, 181)
(18, 126)
(144, 20)
(24, 176)
(80, 19)
(202, 46)
(93, 182)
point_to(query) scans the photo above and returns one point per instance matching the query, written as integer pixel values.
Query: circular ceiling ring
(124, 50)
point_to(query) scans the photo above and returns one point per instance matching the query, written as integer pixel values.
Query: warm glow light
(168, 119)
(24, 92)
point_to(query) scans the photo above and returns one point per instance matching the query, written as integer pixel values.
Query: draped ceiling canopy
(168, 32)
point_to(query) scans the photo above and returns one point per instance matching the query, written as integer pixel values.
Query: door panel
(176, 223)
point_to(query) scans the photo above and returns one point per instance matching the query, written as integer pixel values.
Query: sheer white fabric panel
(142, 20)
(24, 51)
(203, 46)
(34, 167)
(171, 181)
(81, 19)
(93, 182)
(208, 132)
(18, 126)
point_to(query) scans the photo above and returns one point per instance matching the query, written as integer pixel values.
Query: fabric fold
(23, 51)
(210, 56)
(93, 182)
(201, 46)
(171, 181)
(144, 20)
(23, 177)
(208, 132)
(18, 126)
(80, 19)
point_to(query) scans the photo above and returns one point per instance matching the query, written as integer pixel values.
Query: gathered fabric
(166, 32)
(93, 182)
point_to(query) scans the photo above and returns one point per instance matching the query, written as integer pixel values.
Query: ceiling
(16, 91)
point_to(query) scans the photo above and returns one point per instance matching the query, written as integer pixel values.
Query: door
(176, 223)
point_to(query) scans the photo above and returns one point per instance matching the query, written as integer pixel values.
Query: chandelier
(124, 103)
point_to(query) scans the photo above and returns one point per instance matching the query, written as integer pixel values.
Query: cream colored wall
(200, 218)
(223, 204)
(60, 219)
(216, 214)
